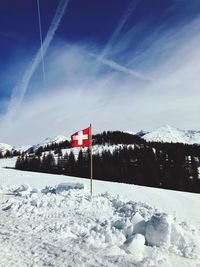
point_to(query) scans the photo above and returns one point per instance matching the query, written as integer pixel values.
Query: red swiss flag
(81, 138)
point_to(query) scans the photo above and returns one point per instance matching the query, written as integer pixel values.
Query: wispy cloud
(166, 91)
(110, 45)
(118, 67)
(101, 56)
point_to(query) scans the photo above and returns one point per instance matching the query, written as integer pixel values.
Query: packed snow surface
(171, 134)
(51, 220)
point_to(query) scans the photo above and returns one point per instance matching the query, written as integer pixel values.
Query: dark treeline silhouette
(116, 137)
(9, 154)
(109, 137)
(50, 147)
(163, 165)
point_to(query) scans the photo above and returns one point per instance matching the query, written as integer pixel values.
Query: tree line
(163, 165)
(9, 154)
(107, 137)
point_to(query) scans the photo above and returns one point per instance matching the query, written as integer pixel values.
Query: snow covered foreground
(62, 225)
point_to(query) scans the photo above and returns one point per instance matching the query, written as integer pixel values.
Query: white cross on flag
(81, 138)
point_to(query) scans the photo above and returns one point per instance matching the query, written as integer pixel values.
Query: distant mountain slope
(171, 134)
(48, 141)
(141, 133)
(163, 134)
(5, 147)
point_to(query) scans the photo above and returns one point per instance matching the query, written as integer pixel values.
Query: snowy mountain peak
(170, 134)
(167, 126)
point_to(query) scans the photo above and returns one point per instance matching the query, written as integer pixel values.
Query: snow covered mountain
(163, 134)
(23, 148)
(5, 147)
(171, 134)
(141, 133)
(48, 141)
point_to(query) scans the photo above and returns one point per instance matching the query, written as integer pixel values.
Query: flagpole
(91, 160)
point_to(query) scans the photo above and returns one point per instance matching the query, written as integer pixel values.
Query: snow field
(184, 206)
(64, 226)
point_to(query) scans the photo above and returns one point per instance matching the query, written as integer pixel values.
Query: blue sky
(119, 64)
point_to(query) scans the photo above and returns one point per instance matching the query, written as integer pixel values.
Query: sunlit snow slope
(171, 134)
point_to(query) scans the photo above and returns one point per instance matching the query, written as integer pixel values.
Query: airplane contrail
(119, 27)
(101, 58)
(41, 41)
(20, 90)
(112, 64)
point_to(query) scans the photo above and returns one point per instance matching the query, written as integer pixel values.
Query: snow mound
(158, 230)
(136, 246)
(26, 190)
(64, 223)
(22, 190)
(62, 188)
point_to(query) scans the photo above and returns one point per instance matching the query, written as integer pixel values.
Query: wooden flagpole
(91, 162)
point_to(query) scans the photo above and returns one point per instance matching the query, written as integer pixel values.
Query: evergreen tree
(16, 153)
(58, 151)
(71, 164)
(18, 164)
(39, 151)
(8, 154)
(48, 163)
(66, 164)
(34, 163)
(81, 165)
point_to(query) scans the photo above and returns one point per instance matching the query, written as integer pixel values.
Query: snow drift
(64, 226)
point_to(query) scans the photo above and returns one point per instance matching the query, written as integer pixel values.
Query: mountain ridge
(170, 134)
(165, 134)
